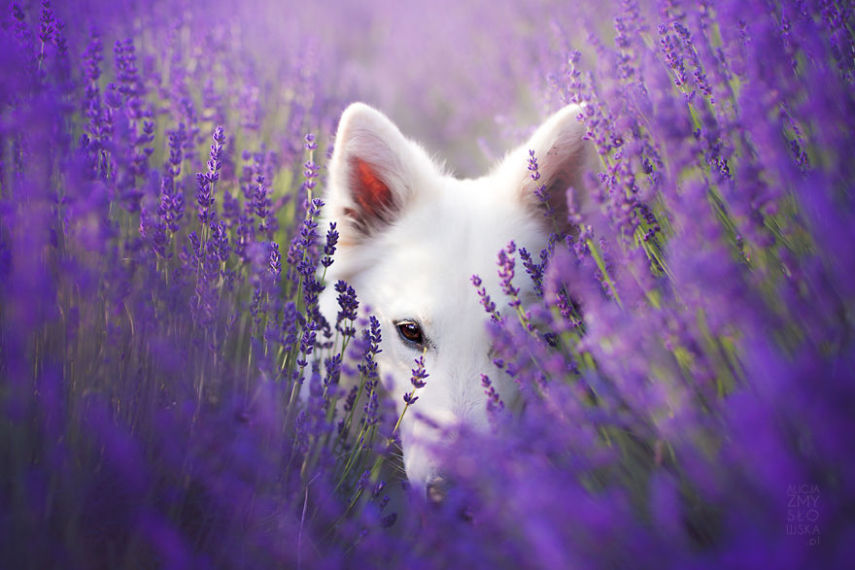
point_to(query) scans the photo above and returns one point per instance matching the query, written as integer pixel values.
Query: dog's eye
(410, 332)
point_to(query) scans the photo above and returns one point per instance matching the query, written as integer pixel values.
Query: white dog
(412, 236)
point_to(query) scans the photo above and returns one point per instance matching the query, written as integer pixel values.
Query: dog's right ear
(564, 159)
(372, 171)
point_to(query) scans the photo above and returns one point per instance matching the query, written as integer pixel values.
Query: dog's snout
(437, 489)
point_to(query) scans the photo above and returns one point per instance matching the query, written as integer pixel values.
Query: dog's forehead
(440, 243)
(481, 216)
(465, 221)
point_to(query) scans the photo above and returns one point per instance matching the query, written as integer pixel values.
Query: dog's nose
(437, 489)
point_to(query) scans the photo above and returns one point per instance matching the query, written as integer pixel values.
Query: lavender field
(171, 395)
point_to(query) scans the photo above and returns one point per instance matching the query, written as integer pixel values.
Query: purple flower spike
(410, 399)
(506, 264)
(486, 302)
(46, 27)
(329, 245)
(215, 163)
(311, 144)
(419, 374)
(205, 198)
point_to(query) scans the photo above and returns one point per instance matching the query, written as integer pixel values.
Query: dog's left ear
(564, 158)
(374, 173)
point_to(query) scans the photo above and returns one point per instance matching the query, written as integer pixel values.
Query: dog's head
(412, 236)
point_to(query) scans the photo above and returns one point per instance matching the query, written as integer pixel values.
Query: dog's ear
(564, 159)
(372, 173)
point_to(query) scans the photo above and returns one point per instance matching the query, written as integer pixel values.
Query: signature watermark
(803, 506)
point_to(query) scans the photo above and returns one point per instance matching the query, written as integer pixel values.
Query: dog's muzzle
(437, 489)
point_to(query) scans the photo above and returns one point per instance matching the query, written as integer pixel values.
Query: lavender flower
(177, 137)
(261, 204)
(311, 143)
(348, 305)
(46, 31)
(494, 400)
(311, 173)
(215, 163)
(329, 245)
(205, 198)
(206, 180)
(419, 373)
(506, 273)
(486, 302)
(540, 190)
(275, 259)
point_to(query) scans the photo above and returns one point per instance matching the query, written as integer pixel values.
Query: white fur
(416, 262)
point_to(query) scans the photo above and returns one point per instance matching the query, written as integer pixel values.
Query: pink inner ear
(372, 195)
